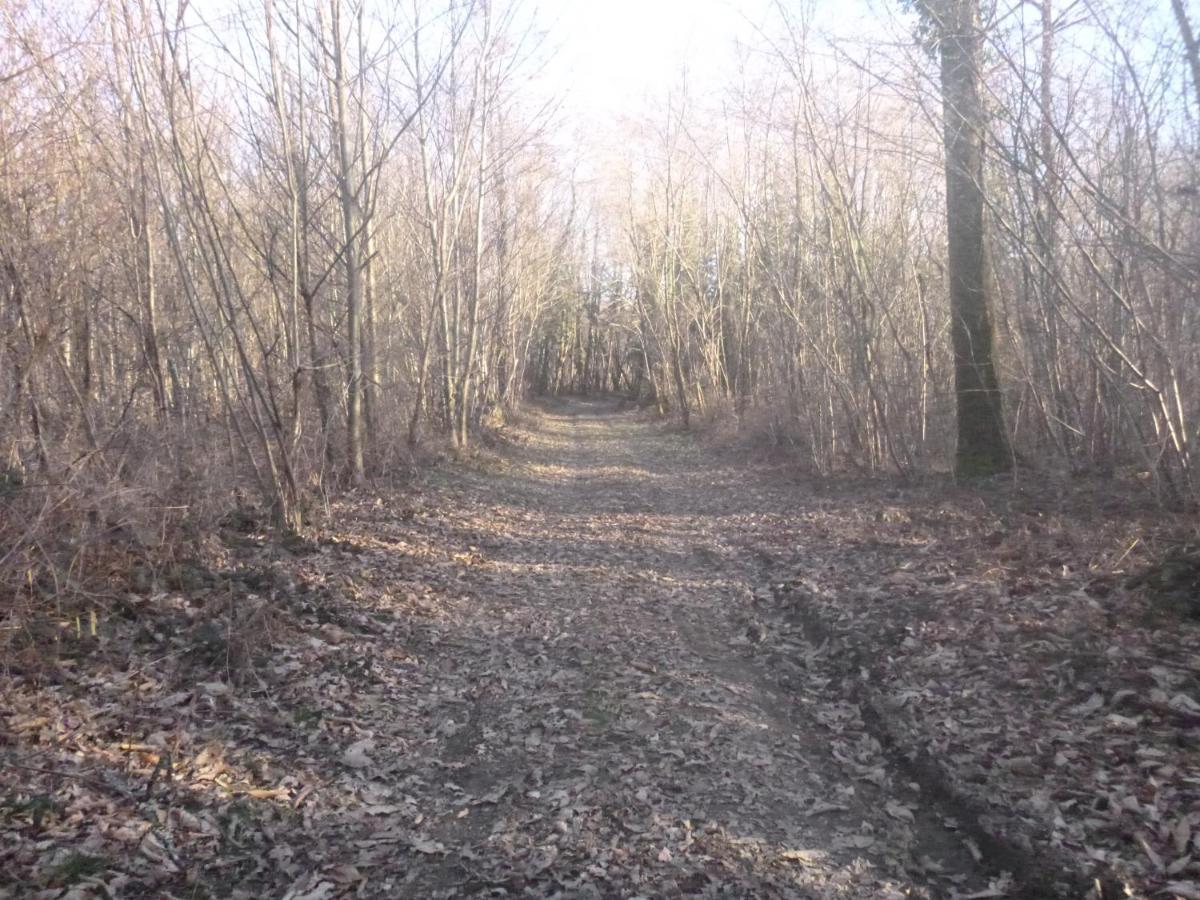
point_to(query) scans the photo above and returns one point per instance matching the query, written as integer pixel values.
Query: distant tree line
(983, 237)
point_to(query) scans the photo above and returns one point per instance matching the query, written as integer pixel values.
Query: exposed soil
(603, 661)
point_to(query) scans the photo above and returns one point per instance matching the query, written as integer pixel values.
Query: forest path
(600, 660)
(598, 720)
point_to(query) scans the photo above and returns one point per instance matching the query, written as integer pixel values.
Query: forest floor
(602, 660)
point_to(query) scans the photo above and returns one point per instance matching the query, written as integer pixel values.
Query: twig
(76, 776)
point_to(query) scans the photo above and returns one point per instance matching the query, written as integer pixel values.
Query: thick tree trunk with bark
(1191, 47)
(982, 440)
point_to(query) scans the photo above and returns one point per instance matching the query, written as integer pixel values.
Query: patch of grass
(187, 576)
(307, 716)
(599, 709)
(11, 481)
(35, 809)
(78, 866)
(1174, 582)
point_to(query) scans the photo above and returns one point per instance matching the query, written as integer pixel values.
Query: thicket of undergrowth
(244, 264)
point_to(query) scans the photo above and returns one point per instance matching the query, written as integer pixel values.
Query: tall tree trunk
(370, 379)
(1191, 47)
(150, 337)
(351, 218)
(462, 425)
(1046, 205)
(982, 439)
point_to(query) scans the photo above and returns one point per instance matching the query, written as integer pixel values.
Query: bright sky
(613, 54)
(618, 57)
(611, 62)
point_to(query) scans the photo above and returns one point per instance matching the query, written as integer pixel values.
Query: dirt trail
(609, 727)
(602, 661)
(556, 669)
